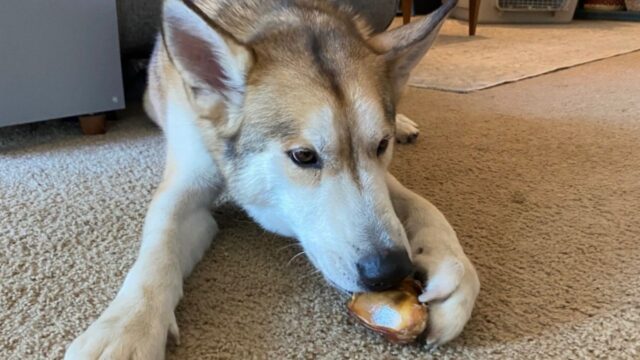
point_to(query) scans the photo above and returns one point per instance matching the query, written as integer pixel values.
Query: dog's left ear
(405, 46)
(210, 60)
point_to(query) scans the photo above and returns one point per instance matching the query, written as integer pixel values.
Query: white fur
(338, 216)
(178, 228)
(406, 129)
(453, 283)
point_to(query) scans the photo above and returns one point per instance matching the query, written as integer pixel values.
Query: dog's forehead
(362, 114)
(370, 112)
(350, 94)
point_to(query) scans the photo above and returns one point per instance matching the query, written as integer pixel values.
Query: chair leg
(474, 9)
(407, 8)
(93, 124)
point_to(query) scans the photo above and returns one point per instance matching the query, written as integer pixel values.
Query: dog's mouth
(340, 288)
(420, 276)
(416, 276)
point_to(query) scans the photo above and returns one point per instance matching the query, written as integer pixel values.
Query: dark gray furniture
(57, 59)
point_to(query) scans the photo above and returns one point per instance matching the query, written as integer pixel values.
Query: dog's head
(300, 112)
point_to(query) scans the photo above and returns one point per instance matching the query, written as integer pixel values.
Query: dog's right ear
(209, 60)
(404, 47)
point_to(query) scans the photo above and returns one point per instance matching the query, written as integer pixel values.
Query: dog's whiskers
(294, 257)
(286, 247)
(310, 274)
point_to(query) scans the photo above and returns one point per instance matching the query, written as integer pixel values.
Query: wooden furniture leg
(93, 124)
(407, 8)
(474, 9)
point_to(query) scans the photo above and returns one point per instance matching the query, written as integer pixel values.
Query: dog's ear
(405, 46)
(210, 61)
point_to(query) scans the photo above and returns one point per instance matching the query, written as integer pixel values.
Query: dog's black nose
(384, 270)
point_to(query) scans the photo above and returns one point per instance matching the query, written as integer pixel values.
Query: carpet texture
(505, 53)
(541, 180)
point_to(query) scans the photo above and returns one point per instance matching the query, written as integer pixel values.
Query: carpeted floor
(505, 53)
(540, 178)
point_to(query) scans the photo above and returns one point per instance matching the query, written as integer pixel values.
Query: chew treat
(397, 314)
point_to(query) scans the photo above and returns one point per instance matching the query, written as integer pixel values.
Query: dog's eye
(304, 157)
(382, 147)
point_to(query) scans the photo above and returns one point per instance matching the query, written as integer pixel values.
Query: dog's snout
(383, 270)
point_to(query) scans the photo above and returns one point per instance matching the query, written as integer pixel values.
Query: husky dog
(288, 107)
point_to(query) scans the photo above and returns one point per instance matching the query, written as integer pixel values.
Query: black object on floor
(425, 7)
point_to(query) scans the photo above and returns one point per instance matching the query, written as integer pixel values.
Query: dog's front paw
(125, 331)
(406, 130)
(451, 291)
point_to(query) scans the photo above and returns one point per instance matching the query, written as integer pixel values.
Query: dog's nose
(385, 269)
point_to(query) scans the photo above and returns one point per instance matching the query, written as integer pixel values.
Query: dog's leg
(177, 230)
(406, 130)
(452, 284)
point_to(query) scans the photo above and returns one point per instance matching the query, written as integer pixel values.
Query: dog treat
(397, 314)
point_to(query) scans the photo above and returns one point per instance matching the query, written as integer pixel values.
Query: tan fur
(279, 97)
(237, 85)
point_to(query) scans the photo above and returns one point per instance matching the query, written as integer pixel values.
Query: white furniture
(57, 59)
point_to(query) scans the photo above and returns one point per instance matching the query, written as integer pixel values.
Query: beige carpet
(507, 53)
(541, 179)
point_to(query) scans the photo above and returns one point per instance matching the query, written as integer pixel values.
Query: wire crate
(520, 11)
(532, 5)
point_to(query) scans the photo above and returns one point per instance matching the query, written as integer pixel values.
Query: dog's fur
(237, 85)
